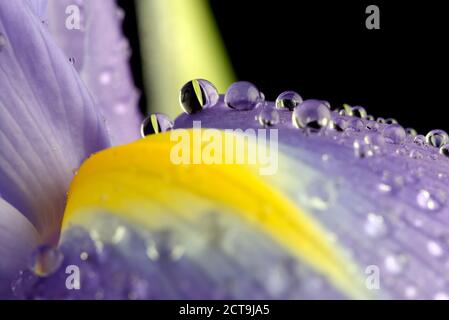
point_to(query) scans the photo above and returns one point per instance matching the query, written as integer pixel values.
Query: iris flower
(356, 208)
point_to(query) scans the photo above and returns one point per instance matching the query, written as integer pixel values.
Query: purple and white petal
(101, 54)
(48, 121)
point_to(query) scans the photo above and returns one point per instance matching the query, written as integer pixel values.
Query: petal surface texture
(48, 120)
(90, 34)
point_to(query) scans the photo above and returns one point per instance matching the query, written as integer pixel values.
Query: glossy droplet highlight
(339, 123)
(430, 201)
(444, 150)
(437, 138)
(375, 225)
(268, 117)
(394, 133)
(395, 263)
(197, 95)
(362, 149)
(311, 114)
(288, 100)
(155, 123)
(359, 112)
(242, 95)
(45, 260)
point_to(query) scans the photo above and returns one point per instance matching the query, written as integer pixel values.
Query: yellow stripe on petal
(131, 180)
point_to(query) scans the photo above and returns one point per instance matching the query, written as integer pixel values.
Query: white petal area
(48, 121)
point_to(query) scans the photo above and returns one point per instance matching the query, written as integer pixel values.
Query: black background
(322, 49)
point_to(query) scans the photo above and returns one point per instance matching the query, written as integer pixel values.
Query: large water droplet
(359, 112)
(197, 95)
(288, 100)
(339, 123)
(268, 116)
(394, 133)
(312, 114)
(155, 123)
(242, 95)
(45, 260)
(437, 138)
(430, 200)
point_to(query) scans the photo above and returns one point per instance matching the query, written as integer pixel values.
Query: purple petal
(48, 121)
(101, 54)
(387, 209)
(17, 239)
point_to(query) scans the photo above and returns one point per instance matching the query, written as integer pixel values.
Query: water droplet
(346, 110)
(375, 225)
(45, 260)
(420, 140)
(372, 125)
(395, 263)
(410, 292)
(268, 117)
(435, 248)
(370, 118)
(381, 120)
(394, 133)
(411, 132)
(362, 150)
(444, 150)
(72, 60)
(197, 95)
(155, 123)
(391, 121)
(311, 114)
(416, 154)
(242, 95)
(430, 201)
(288, 100)
(359, 112)
(355, 124)
(327, 104)
(437, 138)
(105, 77)
(339, 124)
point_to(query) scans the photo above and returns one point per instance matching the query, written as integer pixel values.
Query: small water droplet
(72, 60)
(242, 95)
(411, 132)
(391, 121)
(355, 124)
(370, 118)
(394, 133)
(346, 110)
(372, 125)
(339, 124)
(359, 112)
(416, 154)
(376, 140)
(420, 140)
(288, 100)
(435, 248)
(311, 114)
(437, 138)
(197, 95)
(105, 77)
(268, 117)
(155, 123)
(381, 120)
(444, 150)
(395, 263)
(375, 225)
(430, 200)
(362, 149)
(45, 260)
